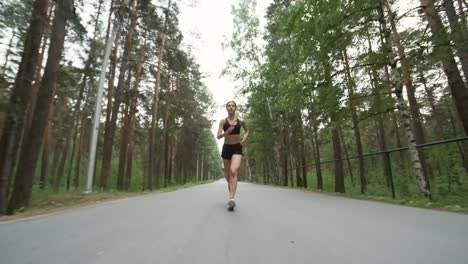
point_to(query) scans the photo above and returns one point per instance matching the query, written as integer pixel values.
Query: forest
(154, 130)
(361, 98)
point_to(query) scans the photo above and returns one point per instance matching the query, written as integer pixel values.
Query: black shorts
(231, 149)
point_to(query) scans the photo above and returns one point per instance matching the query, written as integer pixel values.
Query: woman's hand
(220, 130)
(229, 130)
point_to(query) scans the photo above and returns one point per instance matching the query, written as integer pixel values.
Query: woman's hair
(231, 102)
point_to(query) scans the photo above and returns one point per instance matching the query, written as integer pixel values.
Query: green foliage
(15, 16)
(184, 109)
(301, 69)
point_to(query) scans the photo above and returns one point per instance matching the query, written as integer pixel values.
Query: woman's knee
(233, 173)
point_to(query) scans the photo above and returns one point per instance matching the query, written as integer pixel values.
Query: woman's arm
(246, 131)
(220, 130)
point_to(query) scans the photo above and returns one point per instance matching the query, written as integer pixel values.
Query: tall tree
(410, 91)
(402, 107)
(30, 149)
(459, 36)
(109, 132)
(441, 40)
(357, 131)
(152, 175)
(19, 99)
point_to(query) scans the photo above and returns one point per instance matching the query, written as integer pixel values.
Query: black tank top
(237, 126)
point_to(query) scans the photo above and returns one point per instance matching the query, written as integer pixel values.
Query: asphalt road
(270, 225)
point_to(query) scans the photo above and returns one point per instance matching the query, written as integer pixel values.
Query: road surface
(270, 225)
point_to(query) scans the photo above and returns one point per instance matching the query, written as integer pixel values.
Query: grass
(449, 204)
(46, 201)
(442, 205)
(444, 198)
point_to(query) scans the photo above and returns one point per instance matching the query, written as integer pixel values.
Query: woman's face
(231, 107)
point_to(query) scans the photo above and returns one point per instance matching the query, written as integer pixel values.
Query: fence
(387, 157)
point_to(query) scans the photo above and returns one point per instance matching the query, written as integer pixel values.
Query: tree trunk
(318, 166)
(109, 132)
(20, 96)
(166, 147)
(380, 122)
(405, 116)
(294, 143)
(32, 143)
(124, 135)
(374, 81)
(339, 175)
(76, 178)
(44, 162)
(152, 171)
(57, 149)
(333, 107)
(123, 148)
(110, 87)
(388, 85)
(113, 66)
(21, 130)
(128, 176)
(455, 82)
(128, 173)
(45, 153)
(61, 168)
(130, 123)
(357, 132)
(285, 159)
(110, 94)
(410, 91)
(288, 152)
(348, 161)
(458, 36)
(462, 146)
(293, 159)
(77, 109)
(172, 178)
(37, 78)
(58, 133)
(422, 184)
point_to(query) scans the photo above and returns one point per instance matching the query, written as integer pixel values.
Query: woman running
(232, 148)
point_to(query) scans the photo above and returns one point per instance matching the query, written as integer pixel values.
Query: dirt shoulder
(61, 202)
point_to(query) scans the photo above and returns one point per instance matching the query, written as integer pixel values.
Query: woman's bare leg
(235, 164)
(227, 169)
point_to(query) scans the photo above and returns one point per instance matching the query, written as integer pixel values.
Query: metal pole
(389, 164)
(97, 110)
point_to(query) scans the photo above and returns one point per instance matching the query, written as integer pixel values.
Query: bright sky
(206, 24)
